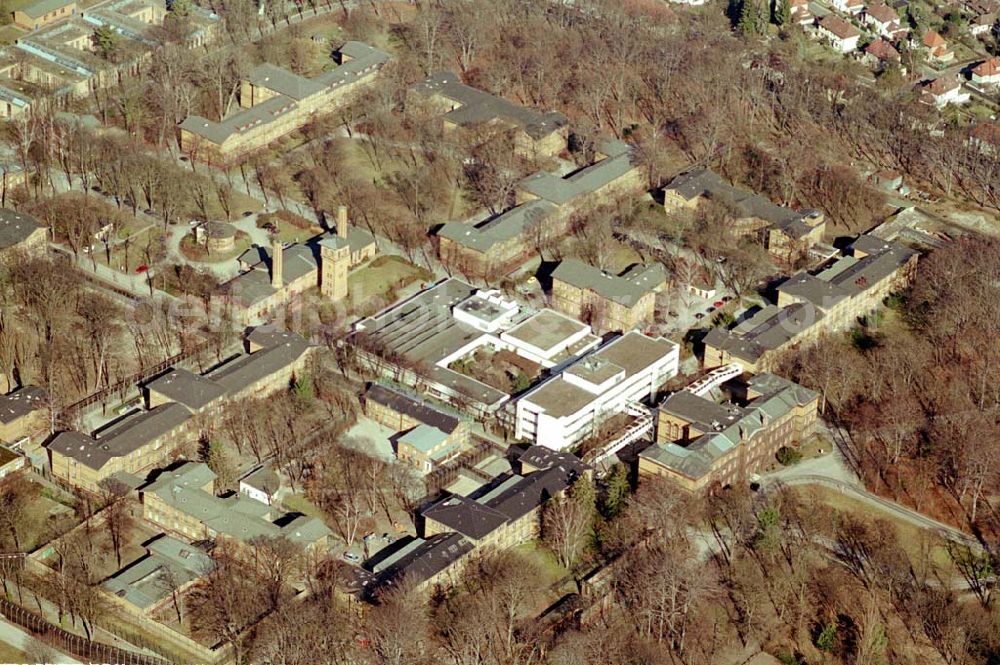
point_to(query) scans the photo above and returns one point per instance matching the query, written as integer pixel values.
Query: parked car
(141, 269)
(351, 556)
(718, 303)
(727, 298)
(699, 316)
(709, 309)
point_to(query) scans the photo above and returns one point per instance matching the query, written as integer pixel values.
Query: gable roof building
(786, 233)
(701, 442)
(538, 133)
(812, 304)
(610, 302)
(182, 501)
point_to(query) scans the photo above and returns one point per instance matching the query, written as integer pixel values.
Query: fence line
(87, 650)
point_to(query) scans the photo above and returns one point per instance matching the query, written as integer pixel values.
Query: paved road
(833, 471)
(22, 641)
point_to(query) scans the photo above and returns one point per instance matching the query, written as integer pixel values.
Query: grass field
(382, 279)
(9, 654)
(911, 538)
(297, 503)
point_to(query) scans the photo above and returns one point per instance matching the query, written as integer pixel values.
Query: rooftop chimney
(277, 256)
(342, 221)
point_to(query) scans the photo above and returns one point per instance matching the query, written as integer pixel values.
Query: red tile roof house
(880, 53)
(937, 47)
(884, 20)
(987, 73)
(982, 24)
(946, 90)
(986, 137)
(841, 34)
(800, 12)
(848, 6)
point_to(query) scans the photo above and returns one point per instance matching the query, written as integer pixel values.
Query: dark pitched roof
(466, 516)
(477, 107)
(413, 407)
(15, 227)
(246, 370)
(423, 560)
(22, 402)
(185, 387)
(122, 438)
(541, 457)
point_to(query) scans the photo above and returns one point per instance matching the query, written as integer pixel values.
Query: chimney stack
(342, 221)
(277, 257)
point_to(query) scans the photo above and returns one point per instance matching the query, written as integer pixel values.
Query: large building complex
(809, 305)
(275, 102)
(182, 501)
(702, 442)
(608, 302)
(430, 436)
(273, 277)
(534, 134)
(615, 379)
(144, 440)
(416, 341)
(787, 234)
(503, 514)
(545, 205)
(59, 59)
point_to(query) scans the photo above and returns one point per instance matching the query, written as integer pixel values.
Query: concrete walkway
(22, 641)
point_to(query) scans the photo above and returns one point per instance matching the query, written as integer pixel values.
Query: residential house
(43, 12)
(801, 14)
(944, 91)
(983, 24)
(275, 102)
(182, 502)
(535, 134)
(571, 405)
(987, 73)
(881, 54)
(263, 484)
(842, 35)
(702, 443)
(787, 234)
(810, 305)
(937, 48)
(546, 203)
(848, 6)
(607, 302)
(884, 21)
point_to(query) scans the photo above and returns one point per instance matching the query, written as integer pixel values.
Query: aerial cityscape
(522, 332)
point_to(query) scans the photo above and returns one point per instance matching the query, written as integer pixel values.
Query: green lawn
(383, 278)
(297, 503)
